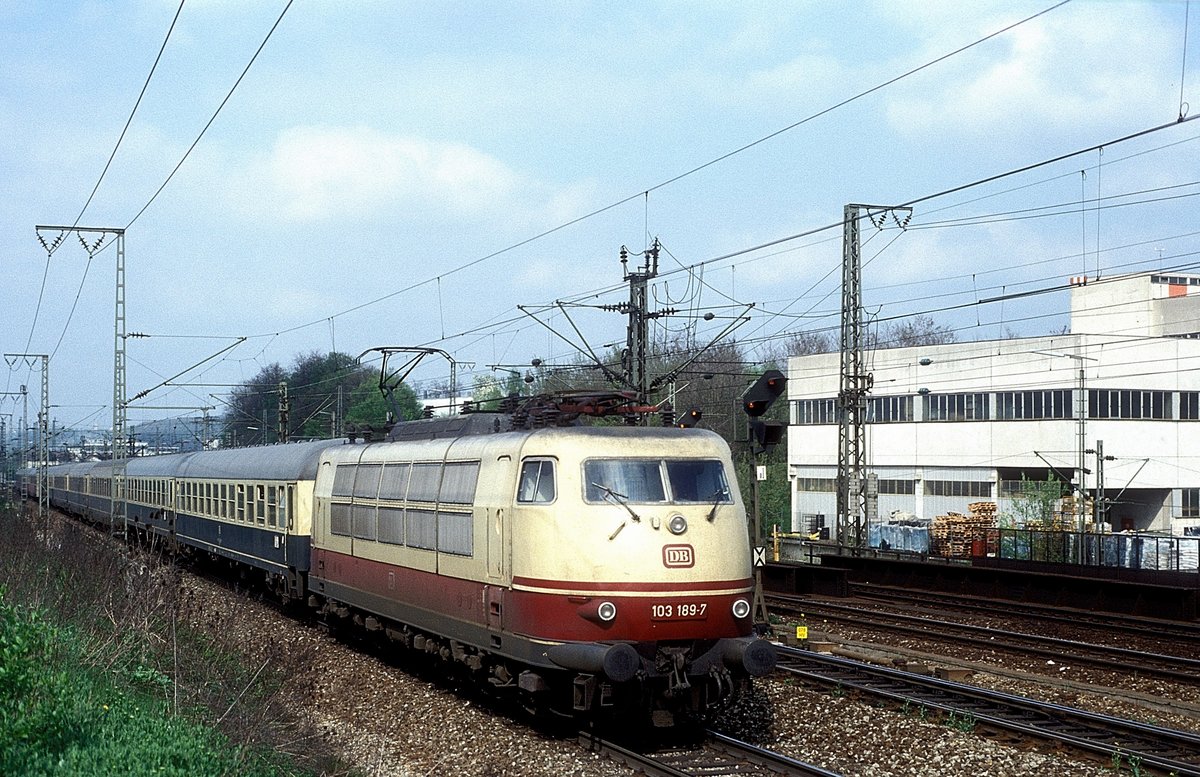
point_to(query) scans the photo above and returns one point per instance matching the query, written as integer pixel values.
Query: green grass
(58, 716)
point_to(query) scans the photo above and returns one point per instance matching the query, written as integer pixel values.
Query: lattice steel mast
(119, 516)
(43, 426)
(855, 382)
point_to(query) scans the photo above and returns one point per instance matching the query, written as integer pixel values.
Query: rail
(1151, 747)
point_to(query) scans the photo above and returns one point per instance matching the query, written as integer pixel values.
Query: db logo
(678, 556)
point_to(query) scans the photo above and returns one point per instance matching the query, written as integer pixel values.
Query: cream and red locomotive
(587, 569)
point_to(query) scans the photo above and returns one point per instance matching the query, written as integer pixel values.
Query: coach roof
(292, 461)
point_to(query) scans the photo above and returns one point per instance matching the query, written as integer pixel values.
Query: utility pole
(853, 516)
(1100, 506)
(1081, 411)
(4, 448)
(25, 449)
(639, 317)
(283, 408)
(119, 515)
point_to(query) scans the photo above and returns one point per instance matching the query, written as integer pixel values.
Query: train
(589, 571)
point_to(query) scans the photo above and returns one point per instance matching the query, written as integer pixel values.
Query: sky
(408, 174)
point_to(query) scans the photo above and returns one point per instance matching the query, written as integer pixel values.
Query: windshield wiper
(718, 497)
(620, 499)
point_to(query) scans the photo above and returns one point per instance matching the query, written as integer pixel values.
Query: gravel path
(382, 721)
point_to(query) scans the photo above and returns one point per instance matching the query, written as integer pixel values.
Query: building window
(819, 485)
(958, 488)
(956, 407)
(1175, 280)
(883, 410)
(1031, 405)
(1189, 503)
(1129, 403)
(809, 412)
(1189, 405)
(897, 487)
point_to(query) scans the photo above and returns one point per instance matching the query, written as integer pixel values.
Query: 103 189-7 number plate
(679, 611)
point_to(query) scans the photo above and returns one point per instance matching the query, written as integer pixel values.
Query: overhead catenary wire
(680, 176)
(100, 179)
(213, 118)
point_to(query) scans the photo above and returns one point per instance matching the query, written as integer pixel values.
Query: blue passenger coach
(249, 505)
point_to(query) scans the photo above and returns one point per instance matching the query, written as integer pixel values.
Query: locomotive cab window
(680, 481)
(633, 480)
(698, 480)
(537, 481)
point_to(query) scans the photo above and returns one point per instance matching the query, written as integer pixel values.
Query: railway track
(1155, 628)
(1114, 740)
(717, 756)
(1180, 669)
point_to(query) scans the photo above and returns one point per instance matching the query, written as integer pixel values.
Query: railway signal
(761, 394)
(689, 419)
(756, 400)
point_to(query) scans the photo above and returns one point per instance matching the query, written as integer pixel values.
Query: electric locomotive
(587, 570)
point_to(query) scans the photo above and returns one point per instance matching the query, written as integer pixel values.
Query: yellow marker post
(802, 632)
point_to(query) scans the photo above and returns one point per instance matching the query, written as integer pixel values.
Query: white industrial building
(953, 424)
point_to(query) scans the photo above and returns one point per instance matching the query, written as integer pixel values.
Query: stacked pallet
(1067, 519)
(951, 535)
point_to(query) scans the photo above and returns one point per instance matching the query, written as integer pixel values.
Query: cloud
(1099, 65)
(320, 173)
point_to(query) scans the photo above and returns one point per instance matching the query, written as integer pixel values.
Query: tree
(918, 330)
(319, 388)
(1036, 503)
(808, 343)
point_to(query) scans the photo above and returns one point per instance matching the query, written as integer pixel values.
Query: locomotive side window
(694, 480)
(343, 480)
(455, 533)
(395, 481)
(458, 482)
(424, 484)
(537, 481)
(422, 529)
(339, 519)
(391, 525)
(635, 480)
(366, 481)
(364, 521)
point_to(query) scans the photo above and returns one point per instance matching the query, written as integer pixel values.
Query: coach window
(260, 501)
(537, 481)
(285, 506)
(241, 502)
(271, 513)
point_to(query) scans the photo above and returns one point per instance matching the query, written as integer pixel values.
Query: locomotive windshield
(681, 481)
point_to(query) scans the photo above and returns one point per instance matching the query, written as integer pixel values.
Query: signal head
(763, 392)
(689, 419)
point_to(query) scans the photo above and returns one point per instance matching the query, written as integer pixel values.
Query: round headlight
(677, 524)
(741, 608)
(607, 611)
